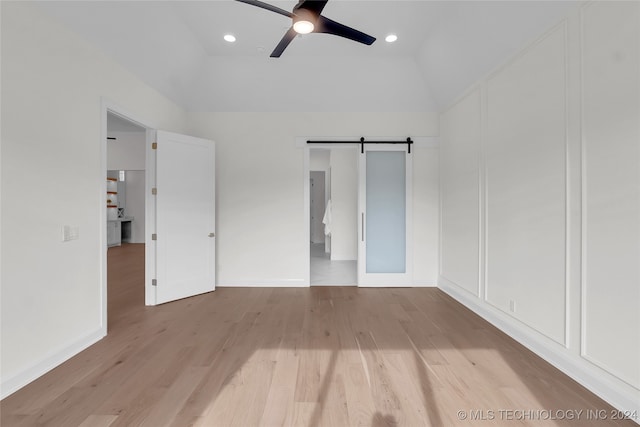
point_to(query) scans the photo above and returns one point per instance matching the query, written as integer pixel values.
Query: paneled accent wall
(460, 197)
(540, 190)
(525, 186)
(611, 182)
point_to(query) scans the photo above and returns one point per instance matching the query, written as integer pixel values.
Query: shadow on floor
(335, 356)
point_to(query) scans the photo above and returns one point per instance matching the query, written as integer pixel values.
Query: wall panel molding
(610, 106)
(594, 238)
(526, 186)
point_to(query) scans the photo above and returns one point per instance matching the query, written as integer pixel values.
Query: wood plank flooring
(334, 356)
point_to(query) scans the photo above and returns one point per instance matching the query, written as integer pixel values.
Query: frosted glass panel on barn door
(384, 250)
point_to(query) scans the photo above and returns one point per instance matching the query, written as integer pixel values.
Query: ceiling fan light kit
(303, 22)
(306, 18)
(303, 27)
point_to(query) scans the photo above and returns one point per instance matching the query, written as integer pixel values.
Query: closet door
(385, 222)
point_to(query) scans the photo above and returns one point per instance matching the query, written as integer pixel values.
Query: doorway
(370, 206)
(178, 251)
(332, 207)
(125, 219)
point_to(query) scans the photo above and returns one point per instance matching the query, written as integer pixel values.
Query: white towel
(326, 219)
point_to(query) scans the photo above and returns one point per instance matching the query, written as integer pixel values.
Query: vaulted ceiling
(177, 47)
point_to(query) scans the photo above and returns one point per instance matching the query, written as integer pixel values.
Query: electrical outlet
(512, 306)
(70, 233)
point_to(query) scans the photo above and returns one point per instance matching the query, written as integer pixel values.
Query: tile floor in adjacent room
(325, 272)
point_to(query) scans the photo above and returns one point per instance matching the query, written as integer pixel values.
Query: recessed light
(391, 38)
(230, 38)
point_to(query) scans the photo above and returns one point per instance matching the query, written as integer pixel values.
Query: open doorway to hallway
(333, 189)
(125, 176)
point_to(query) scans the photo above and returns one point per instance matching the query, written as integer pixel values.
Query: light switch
(70, 233)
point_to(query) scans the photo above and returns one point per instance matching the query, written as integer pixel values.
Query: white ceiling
(442, 48)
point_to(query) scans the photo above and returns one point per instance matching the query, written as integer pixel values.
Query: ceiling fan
(307, 18)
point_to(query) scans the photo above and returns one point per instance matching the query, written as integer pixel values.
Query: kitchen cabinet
(114, 233)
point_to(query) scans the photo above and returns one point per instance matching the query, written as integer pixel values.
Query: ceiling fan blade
(314, 6)
(267, 7)
(284, 42)
(326, 25)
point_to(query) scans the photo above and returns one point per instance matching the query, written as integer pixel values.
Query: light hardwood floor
(334, 356)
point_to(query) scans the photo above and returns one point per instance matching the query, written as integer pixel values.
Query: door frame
(108, 106)
(302, 142)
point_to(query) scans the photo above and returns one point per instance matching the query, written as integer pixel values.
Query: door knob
(212, 234)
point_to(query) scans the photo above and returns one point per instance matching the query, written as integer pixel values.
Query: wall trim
(425, 284)
(48, 362)
(281, 283)
(584, 247)
(490, 74)
(599, 382)
(300, 283)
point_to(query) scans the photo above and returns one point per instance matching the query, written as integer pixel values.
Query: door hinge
(154, 282)
(154, 191)
(154, 236)
(154, 145)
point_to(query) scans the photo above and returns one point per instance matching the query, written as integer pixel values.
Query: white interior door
(185, 216)
(385, 221)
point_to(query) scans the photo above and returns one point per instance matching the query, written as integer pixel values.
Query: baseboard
(617, 393)
(299, 283)
(344, 285)
(425, 284)
(284, 283)
(53, 359)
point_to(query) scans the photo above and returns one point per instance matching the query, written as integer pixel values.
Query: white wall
(540, 171)
(611, 189)
(260, 194)
(52, 84)
(426, 215)
(127, 151)
(319, 160)
(525, 187)
(460, 180)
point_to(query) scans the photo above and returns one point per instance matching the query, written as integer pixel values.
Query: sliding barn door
(185, 216)
(385, 220)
